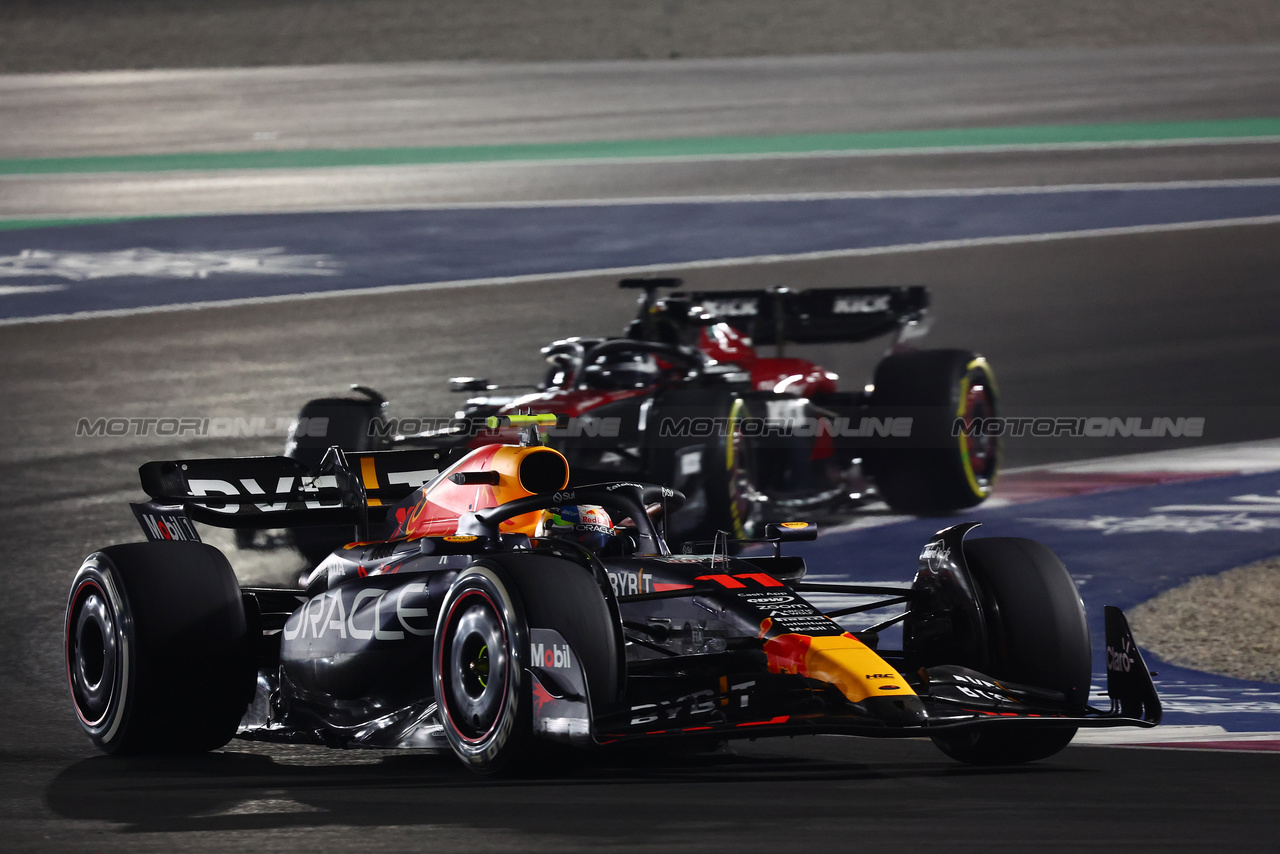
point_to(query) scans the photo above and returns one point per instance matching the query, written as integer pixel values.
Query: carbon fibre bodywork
(465, 626)
(714, 646)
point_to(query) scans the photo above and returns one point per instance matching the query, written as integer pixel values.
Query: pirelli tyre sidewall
(479, 663)
(729, 462)
(99, 653)
(1037, 635)
(938, 470)
(740, 479)
(158, 658)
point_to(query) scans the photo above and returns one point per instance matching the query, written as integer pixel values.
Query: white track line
(718, 199)
(932, 246)
(1190, 735)
(12, 290)
(829, 154)
(922, 151)
(1235, 458)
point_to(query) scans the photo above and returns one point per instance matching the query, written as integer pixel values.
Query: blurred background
(82, 35)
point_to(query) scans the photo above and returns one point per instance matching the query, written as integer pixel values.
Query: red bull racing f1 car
(504, 609)
(685, 398)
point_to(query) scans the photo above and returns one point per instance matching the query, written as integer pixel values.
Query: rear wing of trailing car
(780, 315)
(354, 487)
(815, 315)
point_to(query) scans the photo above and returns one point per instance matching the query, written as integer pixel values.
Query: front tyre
(944, 470)
(157, 649)
(1007, 745)
(1037, 635)
(481, 643)
(734, 503)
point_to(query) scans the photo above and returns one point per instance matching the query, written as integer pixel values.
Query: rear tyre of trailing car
(935, 470)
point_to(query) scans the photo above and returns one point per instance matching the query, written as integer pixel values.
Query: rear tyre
(157, 650)
(1037, 635)
(941, 472)
(321, 424)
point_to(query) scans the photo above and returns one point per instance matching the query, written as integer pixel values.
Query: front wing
(722, 696)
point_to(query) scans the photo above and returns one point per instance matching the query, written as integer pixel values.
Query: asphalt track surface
(78, 269)
(1159, 320)
(460, 104)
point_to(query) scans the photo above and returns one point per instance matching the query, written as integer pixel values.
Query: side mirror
(470, 384)
(791, 532)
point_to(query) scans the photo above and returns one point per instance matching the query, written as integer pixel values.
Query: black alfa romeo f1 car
(504, 610)
(684, 399)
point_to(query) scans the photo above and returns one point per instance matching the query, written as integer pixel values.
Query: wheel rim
(475, 666)
(93, 654)
(978, 451)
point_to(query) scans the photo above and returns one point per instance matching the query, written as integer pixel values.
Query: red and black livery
(686, 397)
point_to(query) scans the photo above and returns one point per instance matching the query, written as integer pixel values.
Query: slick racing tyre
(1037, 635)
(321, 424)
(939, 472)
(565, 596)
(481, 653)
(479, 658)
(723, 480)
(733, 500)
(158, 654)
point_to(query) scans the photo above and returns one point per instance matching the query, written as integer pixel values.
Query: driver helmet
(588, 525)
(617, 373)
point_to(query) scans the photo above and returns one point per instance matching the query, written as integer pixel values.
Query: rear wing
(814, 316)
(355, 487)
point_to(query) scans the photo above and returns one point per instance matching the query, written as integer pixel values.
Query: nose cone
(896, 711)
(844, 661)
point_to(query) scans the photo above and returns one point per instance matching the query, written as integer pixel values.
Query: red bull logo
(842, 660)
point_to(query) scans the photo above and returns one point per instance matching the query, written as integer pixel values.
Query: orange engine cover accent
(437, 506)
